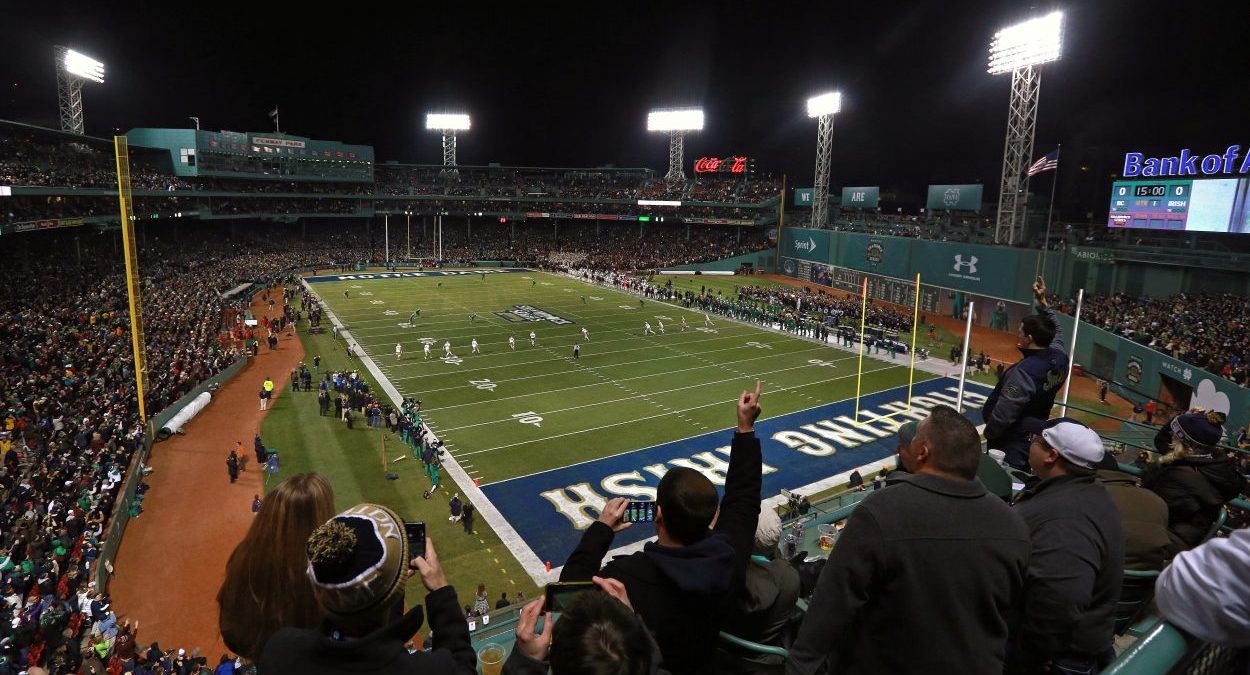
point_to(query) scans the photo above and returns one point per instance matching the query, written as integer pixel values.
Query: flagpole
(1053, 182)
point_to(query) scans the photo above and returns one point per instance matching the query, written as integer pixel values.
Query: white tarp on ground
(185, 415)
(236, 290)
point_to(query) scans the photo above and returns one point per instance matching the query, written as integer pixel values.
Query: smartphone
(416, 538)
(560, 593)
(640, 512)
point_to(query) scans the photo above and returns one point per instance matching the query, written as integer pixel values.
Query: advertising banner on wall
(966, 197)
(861, 197)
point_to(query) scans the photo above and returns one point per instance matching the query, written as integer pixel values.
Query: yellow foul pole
(133, 288)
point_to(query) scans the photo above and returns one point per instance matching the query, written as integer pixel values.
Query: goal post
(863, 348)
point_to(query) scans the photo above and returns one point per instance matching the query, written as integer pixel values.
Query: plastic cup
(490, 656)
(828, 534)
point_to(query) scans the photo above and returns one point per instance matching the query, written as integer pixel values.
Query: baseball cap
(1074, 441)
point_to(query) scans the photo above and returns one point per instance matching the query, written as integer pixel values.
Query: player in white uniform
(585, 335)
(646, 328)
(707, 320)
(683, 323)
(661, 326)
(512, 342)
(447, 348)
(427, 350)
(399, 351)
(533, 338)
(473, 345)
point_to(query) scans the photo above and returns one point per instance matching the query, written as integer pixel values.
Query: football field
(548, 437)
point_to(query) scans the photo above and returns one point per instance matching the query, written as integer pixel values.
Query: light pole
(823, 108)
(72, 68)
(676, 122)
(1018, 50)
(448, 125)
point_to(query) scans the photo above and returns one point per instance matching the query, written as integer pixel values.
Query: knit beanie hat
(356, 562)
(1201, 429)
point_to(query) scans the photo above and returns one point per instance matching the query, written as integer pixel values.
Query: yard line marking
(619, 400)
(639, 419)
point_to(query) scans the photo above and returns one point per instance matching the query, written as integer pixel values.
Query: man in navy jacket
(683, 584)
(1024, 395)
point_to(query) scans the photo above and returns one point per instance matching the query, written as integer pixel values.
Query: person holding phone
(682, 585)
(597, 626)
(358, 564)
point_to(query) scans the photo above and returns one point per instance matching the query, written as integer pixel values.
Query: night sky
(558, 84)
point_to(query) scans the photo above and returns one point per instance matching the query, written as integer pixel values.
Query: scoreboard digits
(1208, 205)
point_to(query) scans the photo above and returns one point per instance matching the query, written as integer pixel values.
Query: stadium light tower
(71, 69)
(676, 123)
(823, 108)
(448, 125)
(1019, 50)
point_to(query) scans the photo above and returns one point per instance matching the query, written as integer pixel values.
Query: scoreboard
(1215, 205)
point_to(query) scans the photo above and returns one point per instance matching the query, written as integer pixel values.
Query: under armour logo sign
(970, 264)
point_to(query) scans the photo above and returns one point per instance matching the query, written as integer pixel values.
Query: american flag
(1047, 163)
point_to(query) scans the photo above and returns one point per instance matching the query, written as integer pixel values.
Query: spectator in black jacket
(924, 576)
(683, 584)
(1023, 397)
(1077, 563)
(358, 563)
(1193, 476)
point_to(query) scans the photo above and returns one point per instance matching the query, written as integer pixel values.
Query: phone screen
(416, 538)
(560, 593)
(640, 512)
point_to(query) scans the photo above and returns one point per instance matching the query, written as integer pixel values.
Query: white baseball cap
(1074, 441)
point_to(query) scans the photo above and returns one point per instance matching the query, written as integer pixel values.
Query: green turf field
(505, 413)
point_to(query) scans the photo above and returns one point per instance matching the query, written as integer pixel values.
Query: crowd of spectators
(70, 423)
(1210, 331)
(607, 246)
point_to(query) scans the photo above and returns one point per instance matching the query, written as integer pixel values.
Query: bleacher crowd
(1210, 331)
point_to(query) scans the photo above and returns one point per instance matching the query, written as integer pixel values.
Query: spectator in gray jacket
(762, 613)
(925, 574)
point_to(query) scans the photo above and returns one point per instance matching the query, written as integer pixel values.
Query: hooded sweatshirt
(683, 593)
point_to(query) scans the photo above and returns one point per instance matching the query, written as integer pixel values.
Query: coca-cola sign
(718, 165)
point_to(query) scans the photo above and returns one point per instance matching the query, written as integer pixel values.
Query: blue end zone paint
(369, 276)
(552, 535)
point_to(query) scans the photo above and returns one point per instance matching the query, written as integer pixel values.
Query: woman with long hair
(1193, 475)
(266, 587)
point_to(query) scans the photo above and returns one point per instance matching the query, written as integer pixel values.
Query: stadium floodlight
(81, 65)
(1031, 43)
(72, 69)
(448, 124)
(823, 108)
(1018, 50)
(825, 104)
(676, 121)
(686, 119)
